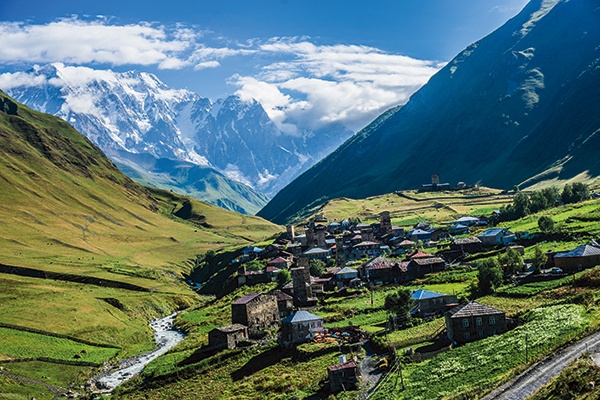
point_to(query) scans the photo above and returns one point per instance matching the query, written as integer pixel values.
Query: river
(164, 336)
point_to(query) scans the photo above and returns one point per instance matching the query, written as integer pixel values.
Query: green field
(476, 367)
(21, 344)
(411, 207)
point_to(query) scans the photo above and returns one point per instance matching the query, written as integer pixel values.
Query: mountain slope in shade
(137, 113)
(521, 102)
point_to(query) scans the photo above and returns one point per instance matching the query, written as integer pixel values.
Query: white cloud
(10, 81)
(207, 64)
(300, 84)
(345, 84)
(75, 41)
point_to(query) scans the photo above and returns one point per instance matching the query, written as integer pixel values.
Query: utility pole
(527, 347)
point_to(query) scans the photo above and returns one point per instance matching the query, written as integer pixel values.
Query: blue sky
(309, 62)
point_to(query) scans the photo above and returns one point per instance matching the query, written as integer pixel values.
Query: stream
(165, 338)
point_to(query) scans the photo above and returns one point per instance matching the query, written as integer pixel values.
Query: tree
(400, 304)
(581, 192)
(489, 276)
(283, 276)
(567, 194)
(510, 262)
(521, 205)
(317, 267)
(539, 202)
(254, 265)
(546, 224)
(539, 259)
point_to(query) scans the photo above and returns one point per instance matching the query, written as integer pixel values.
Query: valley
(158, 244)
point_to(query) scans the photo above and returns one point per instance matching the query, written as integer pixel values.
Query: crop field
(478, 366)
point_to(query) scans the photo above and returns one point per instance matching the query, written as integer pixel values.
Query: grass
(478, 366)
(412, 207)
(251, 374)
(20, 344)
(68, 210)
(577, 382)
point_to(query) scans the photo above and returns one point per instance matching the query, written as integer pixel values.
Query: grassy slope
(410, 206)
(66, 208)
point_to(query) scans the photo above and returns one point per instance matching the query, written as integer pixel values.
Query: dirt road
(528, 382)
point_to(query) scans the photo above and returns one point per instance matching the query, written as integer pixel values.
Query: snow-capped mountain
(136, 113)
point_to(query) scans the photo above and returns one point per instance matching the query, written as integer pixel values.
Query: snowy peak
(137, 113)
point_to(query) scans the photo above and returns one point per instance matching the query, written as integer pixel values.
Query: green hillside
(87, 252)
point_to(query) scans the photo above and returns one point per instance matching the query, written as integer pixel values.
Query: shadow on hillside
(261, 361)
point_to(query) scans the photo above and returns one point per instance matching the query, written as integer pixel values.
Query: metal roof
(301, 316)
(423, 294)
(585, 250)
(473, 309)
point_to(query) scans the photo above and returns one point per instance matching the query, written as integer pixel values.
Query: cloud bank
(302, 85)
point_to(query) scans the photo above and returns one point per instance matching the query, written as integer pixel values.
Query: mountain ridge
(504, 110)
(136, 112)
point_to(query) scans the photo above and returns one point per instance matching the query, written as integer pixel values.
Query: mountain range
(518, 107)
(227, 152)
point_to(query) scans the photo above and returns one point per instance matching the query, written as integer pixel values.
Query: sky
(308, 62)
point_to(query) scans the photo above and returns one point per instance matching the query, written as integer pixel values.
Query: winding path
(534, 377)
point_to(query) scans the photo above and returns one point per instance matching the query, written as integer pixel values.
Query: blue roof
(301, 316)
(493, 232)
(425, 294)
(418, 232)
(252, 250)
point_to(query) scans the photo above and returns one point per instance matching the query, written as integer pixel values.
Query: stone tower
(290, 232)
(302, 291)
(304, 262)
(321, 238)
(435, 179)
(310, 234)
(340, 257)
(386, 222)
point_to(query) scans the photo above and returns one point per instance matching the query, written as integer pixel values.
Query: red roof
(273, 269)
(347, 365)
(278, 260)
(419, 254)
(246, 299)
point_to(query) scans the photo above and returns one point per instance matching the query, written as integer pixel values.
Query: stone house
(227, 337)
(342, 376)
(285, 303)
(473, 321)
(469, 245)
(422, 266)
(581, 257)
(258, 311)
(376, 270)
(299, 327)
(430, 303)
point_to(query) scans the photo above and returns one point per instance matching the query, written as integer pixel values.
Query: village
(335, 258)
